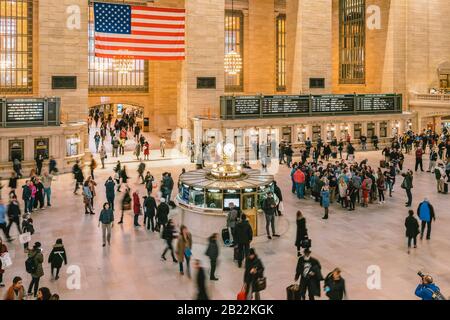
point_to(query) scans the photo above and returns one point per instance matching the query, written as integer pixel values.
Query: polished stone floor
(131, 268)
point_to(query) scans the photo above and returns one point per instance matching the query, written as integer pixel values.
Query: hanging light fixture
(123, 63)
(233, 60)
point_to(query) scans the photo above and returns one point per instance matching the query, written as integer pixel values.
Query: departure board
(247, 106)
(377, 103)
(26, 110)
(285, 105)
(333, 103)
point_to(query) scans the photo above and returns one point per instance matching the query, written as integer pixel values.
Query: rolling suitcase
(293, 292)
(226, 237)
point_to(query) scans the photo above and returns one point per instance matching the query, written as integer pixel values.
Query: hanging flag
(136, 32)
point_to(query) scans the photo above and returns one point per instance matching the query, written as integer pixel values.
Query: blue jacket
(425, 291)
(110, 191)
(425, 211)
(325, 198)
(2, 213)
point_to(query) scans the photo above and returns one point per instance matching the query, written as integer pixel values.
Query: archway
(119, 110)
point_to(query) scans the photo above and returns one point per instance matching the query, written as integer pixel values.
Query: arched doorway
(118, 110)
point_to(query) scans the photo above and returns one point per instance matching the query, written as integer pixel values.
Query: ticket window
(357, 130)
(344, 132)
(287, 134)
(41, 148)
(370, 130)
(316, 131)
(383, 130)
(16, 150)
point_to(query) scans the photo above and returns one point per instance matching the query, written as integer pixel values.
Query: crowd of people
(319, 172)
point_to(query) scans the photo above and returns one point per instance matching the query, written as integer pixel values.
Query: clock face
(229, 149)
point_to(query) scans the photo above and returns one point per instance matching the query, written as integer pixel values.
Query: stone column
(198, 135)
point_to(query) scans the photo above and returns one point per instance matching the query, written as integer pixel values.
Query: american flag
(137, 32)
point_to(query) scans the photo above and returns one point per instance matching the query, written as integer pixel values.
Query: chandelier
(123, 64)
(233, 60)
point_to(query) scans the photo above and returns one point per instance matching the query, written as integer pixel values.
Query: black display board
(247, 106)
(285, 104)
(25, 111)
(333, 103)
(377, 103)
(235, 107)
(29, 112)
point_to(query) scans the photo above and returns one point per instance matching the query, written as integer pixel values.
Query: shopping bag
(242, 295)
(25, 237)
(6, 260)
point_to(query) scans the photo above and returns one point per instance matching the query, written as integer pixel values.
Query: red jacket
(299, 176)
(136, 204)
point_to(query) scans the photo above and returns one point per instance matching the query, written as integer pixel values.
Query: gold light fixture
(233, 60)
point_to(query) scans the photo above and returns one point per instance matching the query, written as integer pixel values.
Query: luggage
(293, 292)
(445, 187)
(382, 163)
(226, 237)
(172, 204)
(236, 254)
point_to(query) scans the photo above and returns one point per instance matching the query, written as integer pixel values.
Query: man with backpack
(33, 266)
(427, 290)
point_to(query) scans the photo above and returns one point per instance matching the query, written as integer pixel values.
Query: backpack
(437, 173)
(30, 265)
(436, 295)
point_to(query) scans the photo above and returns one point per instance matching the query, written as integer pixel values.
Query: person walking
(34, 268)
(103, 156)
(419, 155)
(124, 178)
(47, 183)
(309, 271)
(106, 219)
(162, 214)
(97, 141)
(381, 186)
(3, 251)
(149, 181)
(232, 220)
(243, 238)
(92, 166)
(141, 170)
(269, 208)
(39, 197)
(200, 281)
(325, 196)
(39, 162)
(184, 250)
(279, 194)
(16, 291)
(168, 235)
(426, 214)
(57, 257)
(87, 197)
(299, 182)
(334, 285)
(136, 208)
(3, 210)
(13, 215)
(12, 183)
(146, 150)
(150, 212)
(137, 151)
(302, 231)
(110, 188)
(78, 175)
(254, 270)
(27, 226)
(162, 147)
(412, 229)
(407, 184)
(212, 252)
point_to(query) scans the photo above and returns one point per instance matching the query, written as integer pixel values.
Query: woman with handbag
(184, 249)
(254, 280)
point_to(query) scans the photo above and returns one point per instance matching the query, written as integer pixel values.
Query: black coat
(250, 278)
(201, 285)
(412, 227)
(150, 207)
(12, 183)
(336, 288)
(213, 250)
(57, 256)
(309, 281)
(278, 193)
(302, 232)
(162, 213)
(13, 211)
(243, 233)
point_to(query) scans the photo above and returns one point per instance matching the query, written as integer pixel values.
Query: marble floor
(131, 268)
